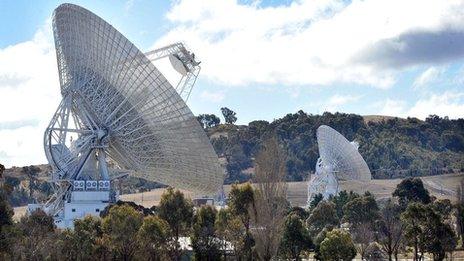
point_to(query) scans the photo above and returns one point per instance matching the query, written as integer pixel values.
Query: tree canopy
(178, 213)
(295, 238)
(359, 210)
(324, 215)
(127, 231)
(208, 120)
(427, 231)
(121, 225)
(411, 190)
(204, 239)
(338, 245)
(153, 236)
(229, 115)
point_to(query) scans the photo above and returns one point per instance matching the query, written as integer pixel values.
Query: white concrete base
(81, 204)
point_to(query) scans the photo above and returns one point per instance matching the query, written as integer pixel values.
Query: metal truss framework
(191, 68)
(119, 110)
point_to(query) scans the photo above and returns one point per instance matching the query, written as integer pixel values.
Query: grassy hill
(377, 118)
(392, 147)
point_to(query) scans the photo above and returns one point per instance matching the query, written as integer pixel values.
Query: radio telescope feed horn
(178, 65)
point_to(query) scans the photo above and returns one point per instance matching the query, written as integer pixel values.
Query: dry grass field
(443, 186)
(377, 118)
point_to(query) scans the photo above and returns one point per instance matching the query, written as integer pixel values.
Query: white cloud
(428, 76)
(336, 102)
(29, 91)
(393, 108)
(309, 41)
(215, 97)
(448, 103)
(128, 5)
(342, 99)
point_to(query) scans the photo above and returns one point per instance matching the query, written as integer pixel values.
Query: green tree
(36, 237)
(459, 215)
(6, 212)
(37, 223)
(241, 199)
(413, 219)
(341, 199)
(208, 120)
(177, 211)
(295, 238)
(317, 239)
(12, 181)
(300, 212)
(229, 115)
(453, 141)
(337, 245)
(6, 221)
(120, 227)
(230, 229)
(205, 243)
(86, 233)
(443, 207)
(323, 216)
(390, 229)
(66, 244)
(439, 236)
(2, 169)
(459, 212)
(317, 198)
(154, 237)
(361, 210)
(31, 172)
(411, 190)
(81, 242)
(427, 231)
(361, 213)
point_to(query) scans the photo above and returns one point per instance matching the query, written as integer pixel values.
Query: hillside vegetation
(392, 147)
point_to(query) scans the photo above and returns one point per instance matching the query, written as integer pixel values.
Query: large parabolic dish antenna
(119, 114)
(336, 151)
(339, 159)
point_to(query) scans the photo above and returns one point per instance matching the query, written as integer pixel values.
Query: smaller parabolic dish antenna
(119, 116)
(339, 159)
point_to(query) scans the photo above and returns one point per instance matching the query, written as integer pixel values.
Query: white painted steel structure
(119, 115)
(339, 159)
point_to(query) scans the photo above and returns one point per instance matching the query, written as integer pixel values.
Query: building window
(97, 210)
(73, 210)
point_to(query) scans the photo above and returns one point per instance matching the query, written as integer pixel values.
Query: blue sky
(262, 59)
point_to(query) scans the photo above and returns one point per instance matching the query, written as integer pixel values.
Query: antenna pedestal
(83, 198)
(83, 201)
